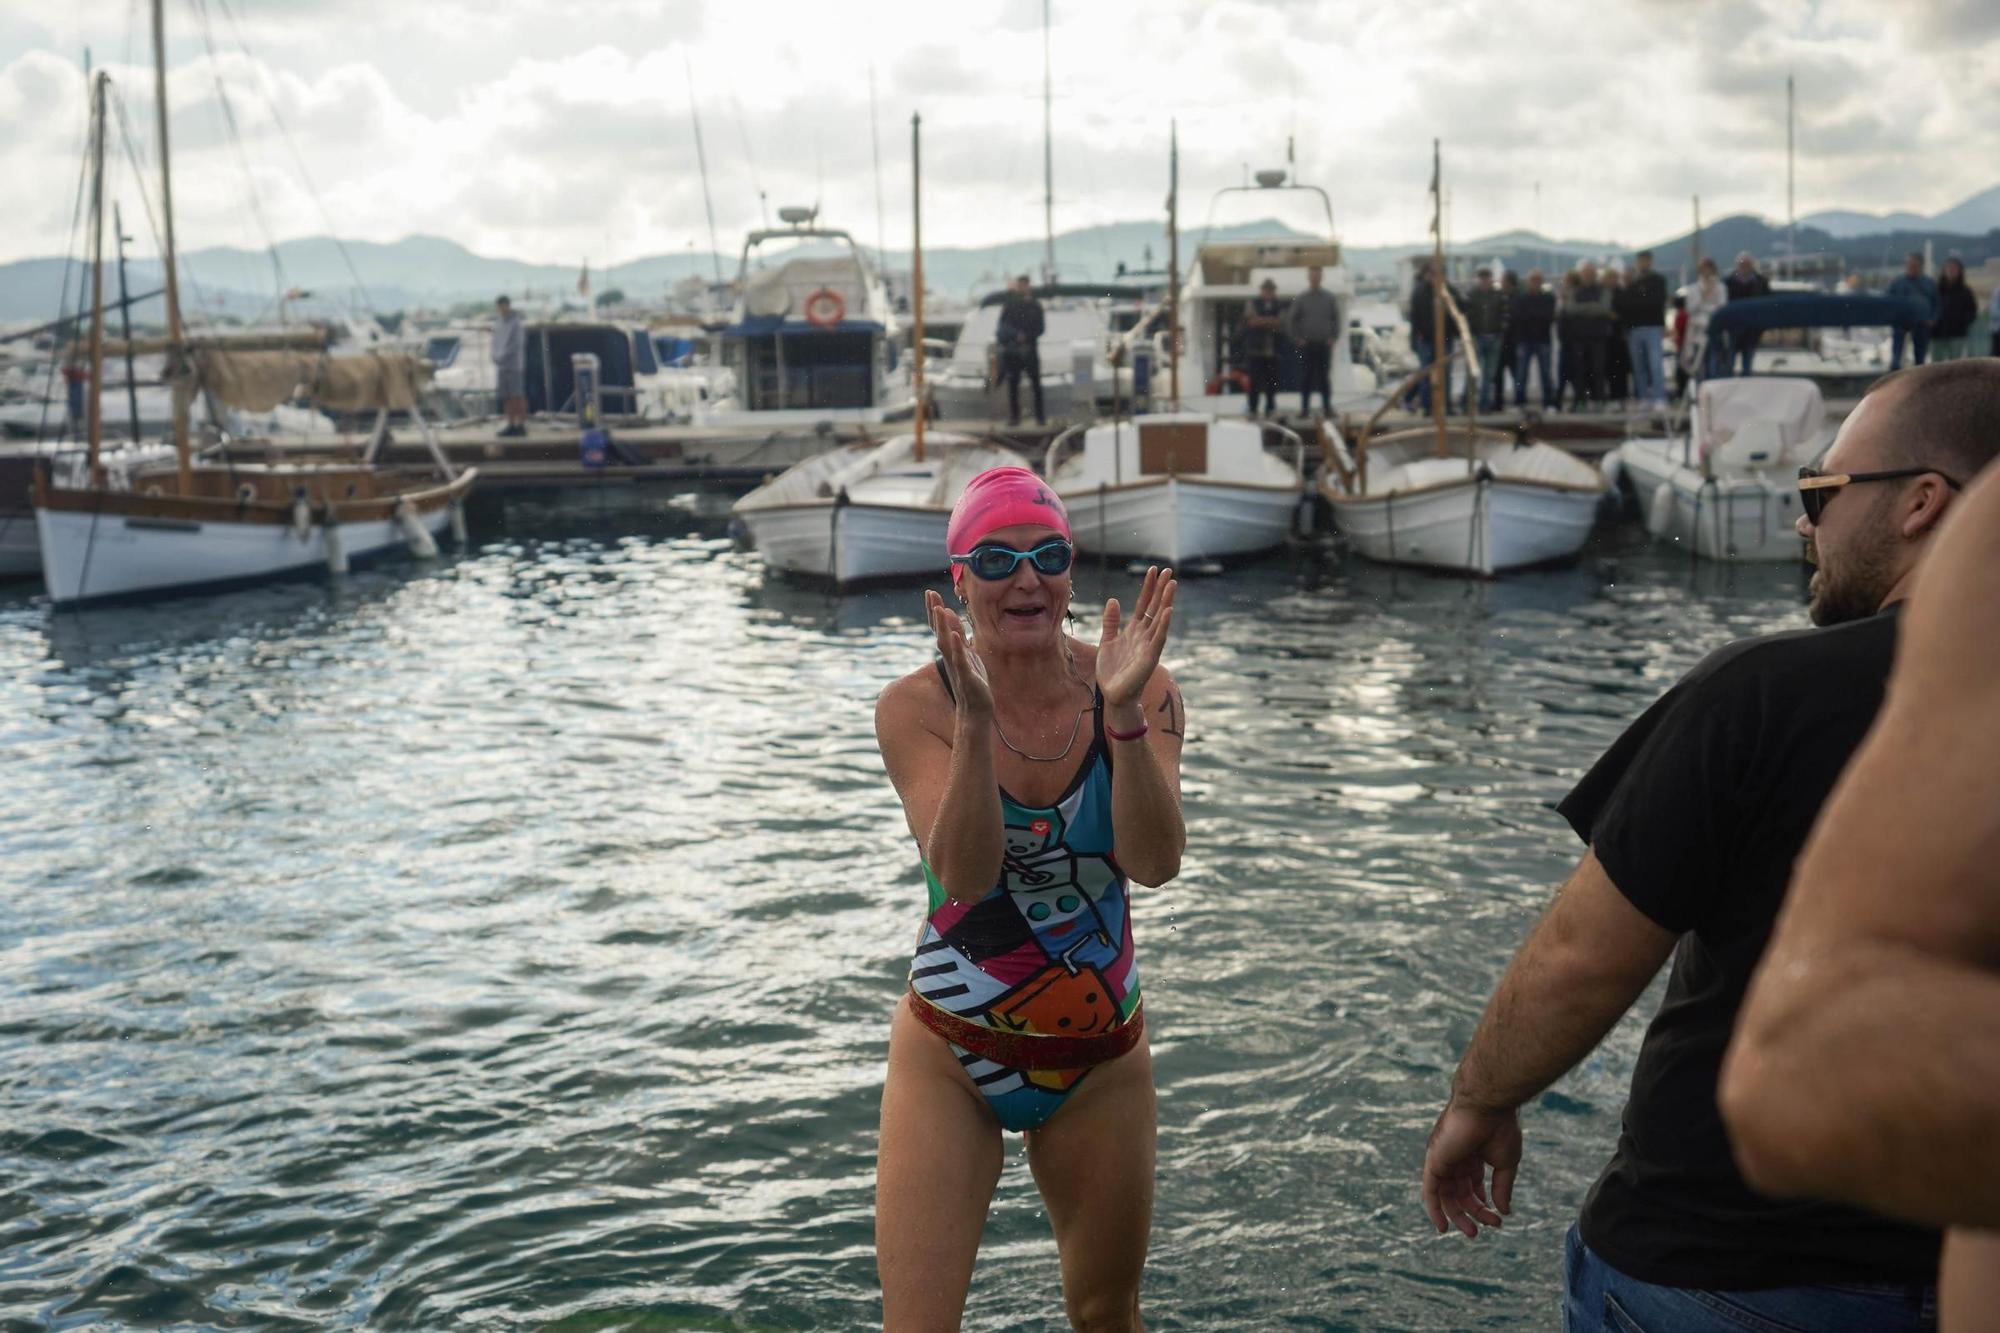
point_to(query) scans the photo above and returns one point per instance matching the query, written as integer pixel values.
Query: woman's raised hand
(1129, 650)
(969, 686)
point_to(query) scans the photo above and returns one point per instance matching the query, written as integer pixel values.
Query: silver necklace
(1043, 758)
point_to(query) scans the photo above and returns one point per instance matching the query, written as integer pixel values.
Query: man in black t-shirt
(1693, 818)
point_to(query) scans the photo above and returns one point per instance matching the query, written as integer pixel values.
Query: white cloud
(518, 128)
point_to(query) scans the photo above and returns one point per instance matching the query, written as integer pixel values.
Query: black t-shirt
(1697, 813)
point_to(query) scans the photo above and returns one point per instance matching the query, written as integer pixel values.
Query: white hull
(963, 401)
(1469, 528)
(87, 556)
(851, 543)
(1744, 518)
(1178, 519)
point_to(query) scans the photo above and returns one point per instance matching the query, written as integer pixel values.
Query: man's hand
(1464, 1143)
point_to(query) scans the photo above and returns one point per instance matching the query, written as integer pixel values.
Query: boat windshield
(441, 350)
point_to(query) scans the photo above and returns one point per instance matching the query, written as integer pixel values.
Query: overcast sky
(555, 132)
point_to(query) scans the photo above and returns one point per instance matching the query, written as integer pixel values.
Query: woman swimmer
(1037, 774)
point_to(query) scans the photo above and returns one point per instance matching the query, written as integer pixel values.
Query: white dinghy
(868, 511)
(1490, 503)
(1726, 486)
(1177, 487)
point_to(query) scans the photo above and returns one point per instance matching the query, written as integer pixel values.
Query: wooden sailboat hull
(98, 545)
(1470, 526)
(1178, 519)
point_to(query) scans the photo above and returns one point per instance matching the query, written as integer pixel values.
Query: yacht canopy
(354, 382)
(1794, 404)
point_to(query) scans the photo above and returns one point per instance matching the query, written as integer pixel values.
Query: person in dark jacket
(1531, 316)
(1313, 324)
(1263, 330)
(1486, 316)
(1916, 290)
(1957, 309)
(1744, 282)
(1617, 357)
(1510, 287)
(1642, 308)
(1423, 336)
(1019, 334)
(1589, 312)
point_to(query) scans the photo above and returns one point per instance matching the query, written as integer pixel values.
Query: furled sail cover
(355, 382)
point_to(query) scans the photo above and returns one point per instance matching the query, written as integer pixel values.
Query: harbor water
(510, 942)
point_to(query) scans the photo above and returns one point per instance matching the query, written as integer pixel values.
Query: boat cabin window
(779, 371)
(643, 360)
(441, 350)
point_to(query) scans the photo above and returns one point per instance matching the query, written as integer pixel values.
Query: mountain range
(429, 272)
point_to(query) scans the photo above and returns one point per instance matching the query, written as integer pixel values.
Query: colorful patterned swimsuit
(1048, 953)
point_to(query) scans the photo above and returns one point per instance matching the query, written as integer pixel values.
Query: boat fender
(301, 518)
(458, 524)
(825, 308)
(336, 551)
(1233, 378)
(414, 532)
(1661, 516)
(1613, 467)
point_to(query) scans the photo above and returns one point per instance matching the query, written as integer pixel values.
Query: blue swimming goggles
(995, 562)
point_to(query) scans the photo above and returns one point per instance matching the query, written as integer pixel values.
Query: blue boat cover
(1807, 310)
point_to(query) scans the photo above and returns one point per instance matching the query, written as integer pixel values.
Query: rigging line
(319, 203)
(62, 297)
(750, 159)
(236, 143)
(126, 137)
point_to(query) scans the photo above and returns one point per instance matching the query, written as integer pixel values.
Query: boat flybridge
(812, 337)
(1227, 276)
(1725, 484)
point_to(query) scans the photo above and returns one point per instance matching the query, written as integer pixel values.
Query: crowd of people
(1610, 334)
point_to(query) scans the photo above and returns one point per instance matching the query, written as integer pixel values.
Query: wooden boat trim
(216, 509)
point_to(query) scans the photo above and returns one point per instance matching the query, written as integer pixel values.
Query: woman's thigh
(1094, 1163)
(939, 1160)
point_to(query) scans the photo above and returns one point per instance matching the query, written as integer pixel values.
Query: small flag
(583, 280)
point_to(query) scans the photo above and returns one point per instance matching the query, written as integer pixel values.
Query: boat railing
(1298, 450)
(1055, 446)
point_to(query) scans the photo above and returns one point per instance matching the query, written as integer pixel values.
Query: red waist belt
(1031, 1050)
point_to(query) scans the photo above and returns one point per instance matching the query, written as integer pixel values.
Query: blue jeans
(1920, 343)
(1426, 354)
(1646, 345)
(1487, 347)
(1524, 353)
(1599, 1297)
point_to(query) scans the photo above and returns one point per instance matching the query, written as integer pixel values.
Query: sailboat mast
(701, 160)
(125, 322)
(1440, 367)
(1174, 264)
(1048, 162)
(177, 369)
(1791, 212)
(875, 136)
(917, 272)
(94, 400)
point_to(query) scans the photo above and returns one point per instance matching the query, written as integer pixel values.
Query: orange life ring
(1238, 378)
(825, 308)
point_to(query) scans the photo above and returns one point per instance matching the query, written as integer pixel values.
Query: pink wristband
(1125, 735)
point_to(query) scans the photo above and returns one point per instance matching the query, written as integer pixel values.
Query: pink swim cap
(1001, 497)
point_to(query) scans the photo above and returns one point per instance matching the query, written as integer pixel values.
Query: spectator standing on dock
(1312, 323)
(1680, 342)
(1590, 325)
(1915, 290)
(1263, 326)
(1744, 282)
(1706, 296)
(1617, 357)
(1510, 287)
(1423, 327)
(1957, 310)
(1642, 309)
(1693, 820)
(510, 366)
(1019, 334)
(1531, 316)
(1566, 390)
(1486, 316)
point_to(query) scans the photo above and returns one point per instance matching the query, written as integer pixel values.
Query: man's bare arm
(1866, 1065)
(1586, 960)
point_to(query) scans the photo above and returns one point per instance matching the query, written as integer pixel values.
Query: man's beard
(1854, 587)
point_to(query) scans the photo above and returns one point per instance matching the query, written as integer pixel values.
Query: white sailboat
(175, 527)
(1489, 504)
(867, 511)
(1725, 486)
(1176, 486)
